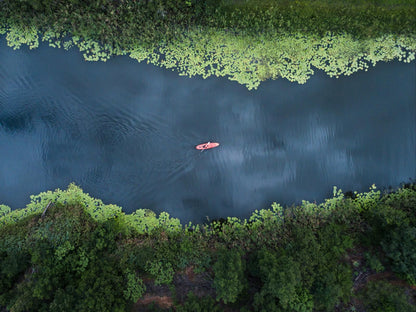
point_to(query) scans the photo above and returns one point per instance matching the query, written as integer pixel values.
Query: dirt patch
(184, 282)
(199, 283)
(163, 302)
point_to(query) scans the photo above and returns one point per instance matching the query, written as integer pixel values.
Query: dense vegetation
(69, 252)
(247, 41)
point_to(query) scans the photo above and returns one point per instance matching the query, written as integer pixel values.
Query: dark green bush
(380, 221)
(229, 280)
(14, 258)
(374, 262)
(381, 296)
(196, 304)
(306, 272)
(282, 284)
(72, 266)
(400, 248)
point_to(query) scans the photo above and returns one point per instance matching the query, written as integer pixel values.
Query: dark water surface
(125, 132)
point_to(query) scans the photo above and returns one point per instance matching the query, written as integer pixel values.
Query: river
(125, 133)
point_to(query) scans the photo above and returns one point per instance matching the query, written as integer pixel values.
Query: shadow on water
(21, 122)
(125, 132)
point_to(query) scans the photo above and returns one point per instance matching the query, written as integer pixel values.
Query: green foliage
(382, 296)
(246, 41)
(18, 35)
(252, 59)
(267, 219)
(14, 260)
(368, 201)
(374, 263)
(141, 221)
(4, 210)
(72, 196)
(72, 265)
(332, 278)
(400, 247)
(135, 287)
(196, 304)
(404, 199)
(306, 272)
(282, 284)
(145, 221)
(390, 223)
(229, 280)
(380, 218)
(87, 256)
(161, 271)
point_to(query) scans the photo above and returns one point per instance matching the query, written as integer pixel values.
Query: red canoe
(207, 145)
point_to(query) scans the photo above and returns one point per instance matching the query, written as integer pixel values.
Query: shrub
(400, 248)
(4, 210)
(229, 280)
(196, 304)
(72, 264)
(161, 271)
(404, 199)
(135, 287)
(14, 261)
(282, 284)
(381, 296)
(373, 262)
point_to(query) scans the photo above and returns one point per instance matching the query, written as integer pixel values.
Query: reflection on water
(125, 132)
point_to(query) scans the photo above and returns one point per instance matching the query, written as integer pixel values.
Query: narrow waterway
(125, 132)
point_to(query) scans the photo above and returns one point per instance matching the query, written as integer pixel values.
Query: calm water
(125, 132)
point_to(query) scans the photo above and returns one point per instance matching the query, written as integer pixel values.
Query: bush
(229, 280)
(135, 287)
(196, 304)
(400, 247)
(404, 199)
(4, 210)
(161, 271)
(381, 296)
(72, 265)
(373, 262)
(282, 284)
(380, 221)
(307, 271)
(14, 261)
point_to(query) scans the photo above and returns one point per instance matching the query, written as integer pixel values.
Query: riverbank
(129, 23)
(68, 251)
(247, 42)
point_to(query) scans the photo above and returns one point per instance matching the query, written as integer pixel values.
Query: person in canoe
(207, 145)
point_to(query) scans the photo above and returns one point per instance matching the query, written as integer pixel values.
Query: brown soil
(163, 302)
(184, 282)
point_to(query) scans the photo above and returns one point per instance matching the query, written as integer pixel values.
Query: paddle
(205, 146)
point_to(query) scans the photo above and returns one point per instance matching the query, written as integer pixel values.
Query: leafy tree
(282, 288)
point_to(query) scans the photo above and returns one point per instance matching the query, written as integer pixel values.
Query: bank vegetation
(245, 41)
(67, 251)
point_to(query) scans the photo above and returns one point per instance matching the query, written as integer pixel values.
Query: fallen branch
(44, 211)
